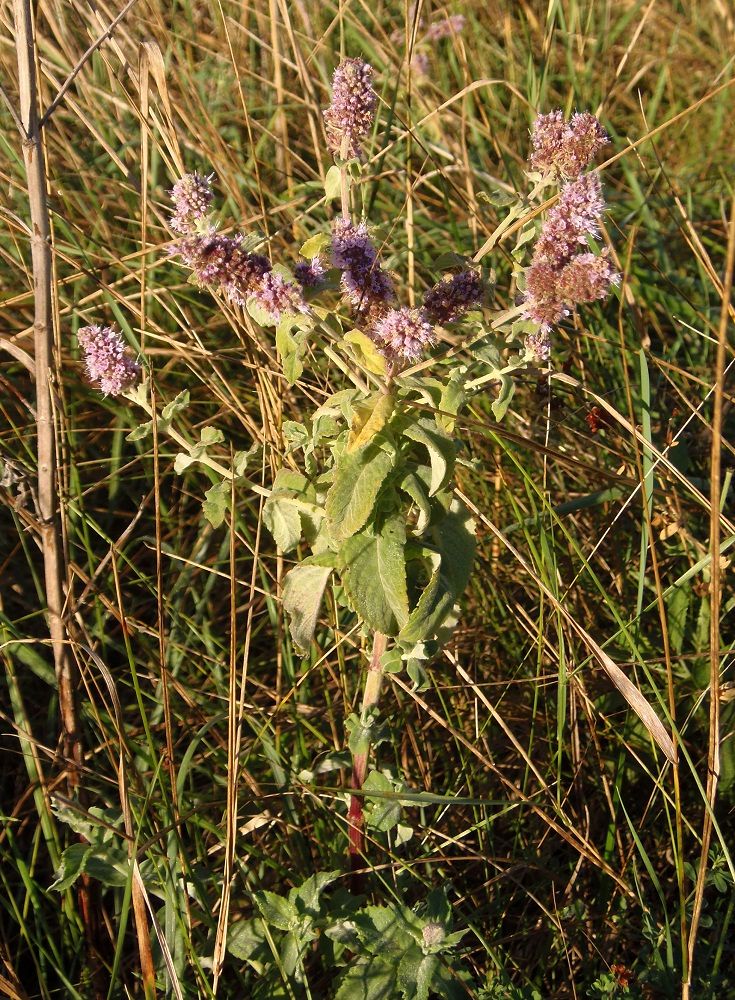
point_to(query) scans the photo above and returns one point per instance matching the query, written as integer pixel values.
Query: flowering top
(561, 273)
(364, 282)
(220, 261)
(445, 27)
(567, 147)
(107, 365)
(349, 118)
(191, 196)
(452, 297)
(404, 333)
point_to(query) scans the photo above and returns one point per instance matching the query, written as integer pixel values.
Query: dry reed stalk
(50, 522)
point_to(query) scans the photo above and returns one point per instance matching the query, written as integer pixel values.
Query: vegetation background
(572, 849)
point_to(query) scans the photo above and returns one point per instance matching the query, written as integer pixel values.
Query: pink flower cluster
(567, 147)
(453, 296)
(404, 333)
(108, 366)
(561, 274)
(219, 261)
(350, 116)
(365, 284)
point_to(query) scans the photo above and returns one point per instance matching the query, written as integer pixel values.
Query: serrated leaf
(314, 245)
(454, 538)
(385, 812)
(501, 402)
(303, 590)
(371, 421)
(414, 487)
(211, 435)
(373, 571)
(182, 462)
(416, 973)
(245, 939)
(71, 866)
(276, 911)
(281, 517)
(333, 183)
(140, 432)
(441, 449)
(176, 405)
(366, 353)
(306, 897)
(358, 479)
(216, 503)
(367, 979)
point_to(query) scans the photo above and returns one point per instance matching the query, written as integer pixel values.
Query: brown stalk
(713, 754)
(50, 524)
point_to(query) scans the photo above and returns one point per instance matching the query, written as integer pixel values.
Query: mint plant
(372, 511)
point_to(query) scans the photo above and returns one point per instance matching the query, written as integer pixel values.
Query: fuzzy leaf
(454, 538)
(217, 502)
(358, 479)
(282, 519)
(333, 183)
(314, 245)
(306, 897)
(276, 911)
(176, 405)
(501, 403)
(303, 590)
(373, 572)
(367, 979)
(71, 866)
(366, 353)
(441, 449)
(376, 415)
(416, 973)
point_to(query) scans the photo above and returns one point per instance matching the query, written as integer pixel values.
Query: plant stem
(370, 699)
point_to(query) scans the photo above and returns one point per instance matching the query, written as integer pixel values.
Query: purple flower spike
(567, 147)
(575, 216)
(587, 277)
(277, 296)
(349, 118)
(364, 282)
(544, 302)
(539, 344)
(310, 273)
(107, 365)
(446, 27)
(450, 298)
(404, 332)
(191, 197)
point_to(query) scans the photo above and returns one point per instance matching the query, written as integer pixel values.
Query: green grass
(557, 824)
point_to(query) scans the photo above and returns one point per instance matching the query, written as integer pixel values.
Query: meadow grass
(573, 850)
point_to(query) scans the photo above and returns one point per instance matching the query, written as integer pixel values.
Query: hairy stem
(370, 700)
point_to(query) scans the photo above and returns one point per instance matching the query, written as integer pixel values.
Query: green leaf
(306, 897)
(176, 405)
(71, 866)
(452, 400)
(281, 517)
(385, 812)
(416, 974)
(303, 590)
(140, 432)
(261, 316)
(182, 462)
(211, 435)
(245, 939)
(370, 419)
(454, 538)
(367, 979)
(414, 487)
(358, 479)
(110, 870)
(333, 183)
(217, 502)
(441, 449)
(501, 402)
(276, 911)
(373, 571)
(314, 245)
(366, 353)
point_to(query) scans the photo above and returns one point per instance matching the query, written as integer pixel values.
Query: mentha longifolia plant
(373, 504)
